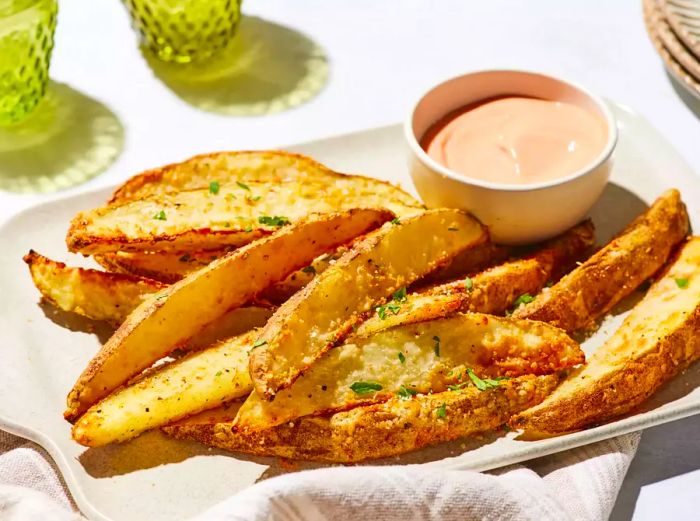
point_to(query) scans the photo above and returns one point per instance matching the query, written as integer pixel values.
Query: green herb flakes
(275, 220)
(365, 387)
(405, 393)
(395, 221)
(243, 185)
(309, 269)
(259, 343)
(682, 283)
(441, 412)
(525, 298)
(160, 216)
(402, 357)
(469, 283)
(484, 384)
(400, 295)
(436, 347)
(214, 187)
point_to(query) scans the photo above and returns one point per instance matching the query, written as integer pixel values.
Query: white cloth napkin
(580, 485)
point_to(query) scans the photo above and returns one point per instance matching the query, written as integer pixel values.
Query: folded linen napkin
(580, 484)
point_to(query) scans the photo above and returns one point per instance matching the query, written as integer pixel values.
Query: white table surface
(382, 54)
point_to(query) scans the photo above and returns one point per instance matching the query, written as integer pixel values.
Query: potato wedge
(418, 358)
(91, 293)
(658, 339)
(196, 382)
(162, 266)
(593, 288)
(492, 291)
(230, 168)
(169, 267)
(202, 220)
(319, 316)
(381, 430)
(160, 325)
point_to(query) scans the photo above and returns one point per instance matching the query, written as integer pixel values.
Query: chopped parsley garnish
(259, 343)
(436, 347)
(254, 198)
(160, 216)
(274, 220)
(243, 185)
(309, 269)
(525, 298)
(395, 221)
(469, 283)
(214, 187)
(484, 384)
(400, 295)
(457, 387)
(248, 228)
(365, 387)
(402, 357)
(381, 310)
(682, 283)
(441, 411)
(405, 393)
(218, 373)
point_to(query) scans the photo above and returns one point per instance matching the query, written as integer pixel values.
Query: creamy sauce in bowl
(517, 140)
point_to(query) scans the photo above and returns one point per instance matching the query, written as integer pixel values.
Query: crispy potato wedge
(160, 325)
(87, 292)
(658, 339)
(319, 316)
(468, 262)
(418, 358)
(376, 431)
(202, 220)
(196, 382)
(492, 291)
(162, 266)
(615, 271)
(230, 168)
(170, 268)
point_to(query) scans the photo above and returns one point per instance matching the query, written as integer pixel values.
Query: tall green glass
(184, 31)
(26, 42)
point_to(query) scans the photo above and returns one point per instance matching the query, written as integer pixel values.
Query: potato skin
(657, 340)
(381, 430)
(593, 288)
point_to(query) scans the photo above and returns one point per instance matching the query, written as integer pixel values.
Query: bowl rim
(601, 158)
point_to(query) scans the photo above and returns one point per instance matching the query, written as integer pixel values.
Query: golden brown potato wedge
(659, 338)
(162, 324)
(593, 288)
(380, 430)
(196, 382)
(92, 293)
(416, 358)
(492, 291)
(202, 220)
(319, 316)
(170, 268)
(263, 166)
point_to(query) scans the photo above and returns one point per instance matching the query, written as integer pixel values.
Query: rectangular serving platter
(153, 477)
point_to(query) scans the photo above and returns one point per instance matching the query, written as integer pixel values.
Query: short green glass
(26, 41)
(184, 31)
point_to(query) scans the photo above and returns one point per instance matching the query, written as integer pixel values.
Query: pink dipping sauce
(517, 140)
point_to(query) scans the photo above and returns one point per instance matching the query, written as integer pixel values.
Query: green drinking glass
(26, 42)
(184, 31)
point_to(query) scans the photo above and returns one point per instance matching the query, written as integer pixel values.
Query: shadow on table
(692, 102)
(267, 68)
(75, 322)
(67, 140)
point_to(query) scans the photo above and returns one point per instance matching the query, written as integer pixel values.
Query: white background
(382, 54)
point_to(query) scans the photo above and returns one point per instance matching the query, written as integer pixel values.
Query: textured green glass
(185, 31)
(26, 41)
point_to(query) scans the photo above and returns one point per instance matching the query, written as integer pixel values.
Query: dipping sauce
(517, 140)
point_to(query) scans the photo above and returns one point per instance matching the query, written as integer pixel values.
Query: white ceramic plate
(156, 478)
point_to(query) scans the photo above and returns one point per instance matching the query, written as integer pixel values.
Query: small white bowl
(515, 214)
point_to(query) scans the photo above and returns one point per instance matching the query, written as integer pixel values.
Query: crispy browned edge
(35, 259)
(627, 389)
(259, 357)
(125, 192)
(617, 269)
(380, 430)
(75, 407)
